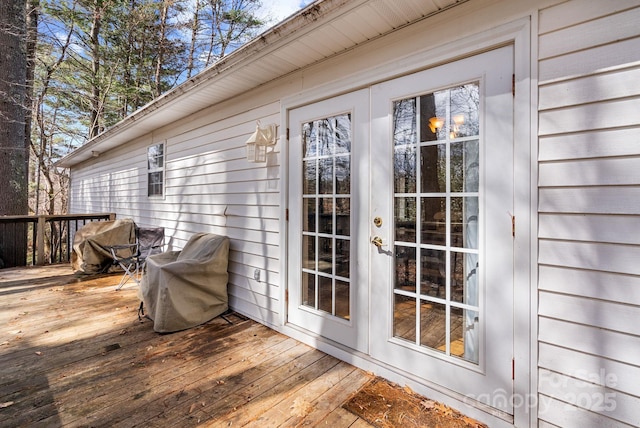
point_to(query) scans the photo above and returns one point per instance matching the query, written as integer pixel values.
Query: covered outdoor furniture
(183, 289)
(132, 257)
(91, 244)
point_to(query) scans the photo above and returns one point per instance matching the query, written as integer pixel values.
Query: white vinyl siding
(209, 187)
(589, 202)
(586, 73)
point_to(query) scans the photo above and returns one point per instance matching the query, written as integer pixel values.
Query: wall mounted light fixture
(259, 141)
(436, 124)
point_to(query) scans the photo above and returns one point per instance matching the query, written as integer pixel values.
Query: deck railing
(38, 240)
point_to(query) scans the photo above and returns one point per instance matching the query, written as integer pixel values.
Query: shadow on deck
(73, 353)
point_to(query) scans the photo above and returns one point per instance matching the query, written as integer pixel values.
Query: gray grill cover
(182, 289)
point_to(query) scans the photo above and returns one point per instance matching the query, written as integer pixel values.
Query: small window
(155, 170)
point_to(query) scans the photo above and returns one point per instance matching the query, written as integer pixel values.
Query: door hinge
(286, 214)
(513, 84)
(287, 134)
(286, 297)
(513, 369)
(513, 226)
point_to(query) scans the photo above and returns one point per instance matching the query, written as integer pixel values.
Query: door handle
(377, 241)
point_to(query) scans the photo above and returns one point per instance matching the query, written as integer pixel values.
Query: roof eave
(268, 41)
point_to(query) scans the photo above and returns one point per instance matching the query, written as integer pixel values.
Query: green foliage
(98, 61)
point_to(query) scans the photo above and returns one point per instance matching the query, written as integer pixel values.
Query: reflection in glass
(464, 278)
(325, 294)
(465, 162)
(405, 219)
(329, 136)
(433, 272)
(405, 272)
(465, 102)
(404, 317)
(464, 337)
(309, 140)
(325, 216)
(342, 133)
(405, 170)
(309, 251)
(342, 299)
(433, 171)
(433, 116)
(443, 185)
(309, 215)
(154, 186)
(309, 290)
(343, 216)
(325, 255)
(326, 147)
(343, 175)
(155, 156)
(342, 257)
(325, 169)
(464, 222)
(309, 177)
(433, 220)
(404, 122)
(433, 319)
(456, 342)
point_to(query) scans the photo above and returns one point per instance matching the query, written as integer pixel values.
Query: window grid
(326, 151)
(418, 293)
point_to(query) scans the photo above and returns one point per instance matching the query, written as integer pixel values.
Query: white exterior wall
(589, 201)
(586, 58)
(209, 187)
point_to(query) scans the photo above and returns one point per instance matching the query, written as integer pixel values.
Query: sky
(278, 10)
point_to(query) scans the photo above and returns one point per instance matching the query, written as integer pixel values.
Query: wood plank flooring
(73, 353)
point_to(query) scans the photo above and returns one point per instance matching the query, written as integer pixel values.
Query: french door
(400, 231)
(328, 214)
(441, 200)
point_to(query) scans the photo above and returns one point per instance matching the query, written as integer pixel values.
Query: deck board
(73, 353)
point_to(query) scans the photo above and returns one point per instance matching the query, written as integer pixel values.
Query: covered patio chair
(132, 257)
(183, 289)
(91, 254)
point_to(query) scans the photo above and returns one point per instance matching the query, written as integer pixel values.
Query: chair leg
(129, 273)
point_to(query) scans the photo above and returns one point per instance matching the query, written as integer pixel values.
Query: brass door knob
(377, 241)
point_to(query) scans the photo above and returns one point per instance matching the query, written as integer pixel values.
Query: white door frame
(518, 33)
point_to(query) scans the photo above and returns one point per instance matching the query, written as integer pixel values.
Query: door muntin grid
(326, 224)
(436, 140)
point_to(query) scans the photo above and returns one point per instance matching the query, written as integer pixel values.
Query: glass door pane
(326, 224)
(436, 210)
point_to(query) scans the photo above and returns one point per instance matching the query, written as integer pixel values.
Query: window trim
(160, 169)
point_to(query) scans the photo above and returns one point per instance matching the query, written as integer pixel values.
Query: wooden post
(40, 240)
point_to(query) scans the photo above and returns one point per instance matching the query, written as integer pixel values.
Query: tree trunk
(162, 42)
(195, 30)
(33, 7)
(94, 126)
(14, 154)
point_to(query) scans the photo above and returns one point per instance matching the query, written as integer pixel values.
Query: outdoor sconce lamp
(258, 142)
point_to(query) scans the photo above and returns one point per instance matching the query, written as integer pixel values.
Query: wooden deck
(73, 353)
